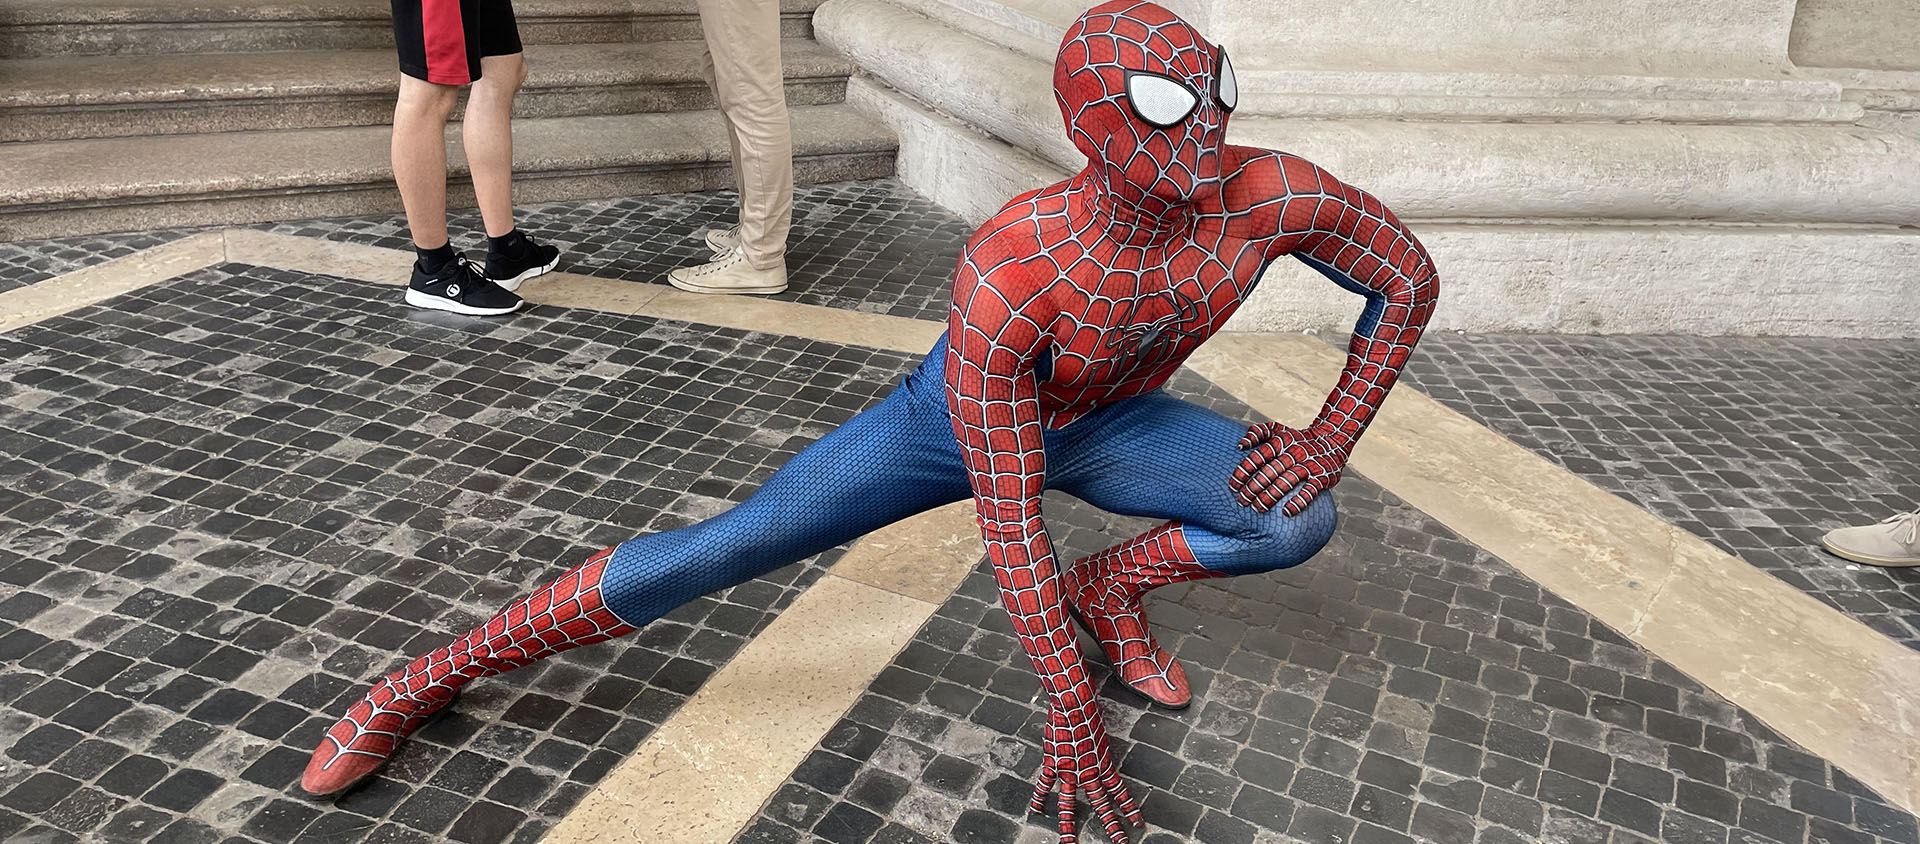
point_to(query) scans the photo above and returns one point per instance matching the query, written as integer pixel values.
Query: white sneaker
(729, 272)
(1894, 542)
(722, 241)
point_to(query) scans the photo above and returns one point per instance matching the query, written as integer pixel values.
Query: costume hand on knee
(1287, 465)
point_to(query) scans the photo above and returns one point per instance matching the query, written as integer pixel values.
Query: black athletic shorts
(443, 40)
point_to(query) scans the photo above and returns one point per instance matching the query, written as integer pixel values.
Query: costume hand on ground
(1287, 464)
(1076, 762)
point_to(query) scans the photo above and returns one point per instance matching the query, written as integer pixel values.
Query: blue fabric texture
(1152, 455)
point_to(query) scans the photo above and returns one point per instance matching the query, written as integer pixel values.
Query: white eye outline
(1226, 88)
(1159, 100)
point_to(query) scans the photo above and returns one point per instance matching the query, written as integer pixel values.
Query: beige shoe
(729, 272)
(1894, 542)
(722, 241)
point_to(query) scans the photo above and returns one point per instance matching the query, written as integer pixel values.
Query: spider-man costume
(1070, 309)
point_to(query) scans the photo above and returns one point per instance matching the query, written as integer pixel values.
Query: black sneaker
(530, 260)
(459, 287)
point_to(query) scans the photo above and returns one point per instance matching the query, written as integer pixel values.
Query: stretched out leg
(885, 464)
(1160, 457)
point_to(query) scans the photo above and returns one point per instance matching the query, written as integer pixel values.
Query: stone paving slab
(872, 246)
(1758, 445)
(229, 501)
(1401, 686)
(1438, 630)
(24, 262)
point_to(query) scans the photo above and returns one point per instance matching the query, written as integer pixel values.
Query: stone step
(1576, 171)
(63, 188)
(118, 96)
(32, 28)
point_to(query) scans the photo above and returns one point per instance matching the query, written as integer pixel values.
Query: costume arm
(1300, 209)
(1351, 238)
(993, 399)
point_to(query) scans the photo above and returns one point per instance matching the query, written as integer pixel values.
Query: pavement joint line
(1834, 685)
(99, 282)
(705, 773)
(1736, 629)
(708, 771)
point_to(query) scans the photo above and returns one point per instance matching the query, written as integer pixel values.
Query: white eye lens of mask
(1158, 99)
(1229, 87)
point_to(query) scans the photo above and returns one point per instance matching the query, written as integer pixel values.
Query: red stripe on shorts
(446, 37)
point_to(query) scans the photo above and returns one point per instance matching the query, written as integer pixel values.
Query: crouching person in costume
(1070, 309)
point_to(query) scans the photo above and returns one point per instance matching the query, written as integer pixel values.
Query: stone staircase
(1616, 176)
(135, 114)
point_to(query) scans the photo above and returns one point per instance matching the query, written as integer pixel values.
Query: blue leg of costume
(1151, 455)
(1159, 457)
(889, 462)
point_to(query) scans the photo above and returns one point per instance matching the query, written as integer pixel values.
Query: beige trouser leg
(743, 66)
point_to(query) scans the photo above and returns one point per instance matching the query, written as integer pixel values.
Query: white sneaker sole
(1870, 559)
(696, 287)
(512, 284)
(419, 299)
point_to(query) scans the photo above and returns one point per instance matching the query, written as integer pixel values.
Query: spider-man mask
(1146, 98)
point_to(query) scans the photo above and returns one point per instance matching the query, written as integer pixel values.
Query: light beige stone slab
(813, 321)
(390, 266)
(320, 257)
(569, 290)
(705, 773)
(922, 557)
(108, 279)
(1814, 675)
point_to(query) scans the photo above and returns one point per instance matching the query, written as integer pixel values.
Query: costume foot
(361, 742)
(1137, 659)
(564, 613)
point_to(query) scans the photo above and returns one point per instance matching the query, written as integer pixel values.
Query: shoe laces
(1906, 526)
(724, 261)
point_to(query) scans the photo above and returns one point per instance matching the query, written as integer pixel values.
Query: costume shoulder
(1000, 252)
(1259, 186)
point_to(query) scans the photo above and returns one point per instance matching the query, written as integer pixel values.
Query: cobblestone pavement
(872, 246)
(1403, 685)
(1758, 445)
(229, 501)
(24, 262)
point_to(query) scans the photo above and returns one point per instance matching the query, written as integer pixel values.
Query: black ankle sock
(511, 243)
(432, 261)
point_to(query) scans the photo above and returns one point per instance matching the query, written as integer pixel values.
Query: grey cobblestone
(1401, 686)
(1758, 445)
(872, 246)
(24, 262)
(228, 501)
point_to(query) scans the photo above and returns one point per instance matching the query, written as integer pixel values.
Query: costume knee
(1251, 542)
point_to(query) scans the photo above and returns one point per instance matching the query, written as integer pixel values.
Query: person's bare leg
(487, 132)
(420, 157)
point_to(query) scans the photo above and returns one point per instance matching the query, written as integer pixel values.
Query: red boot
(561, 615)
(1104, 591)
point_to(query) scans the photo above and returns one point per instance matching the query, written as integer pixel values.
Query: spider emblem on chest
(1144, 343)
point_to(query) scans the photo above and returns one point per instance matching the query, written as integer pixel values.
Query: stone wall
(1870, 34)
(1659, 169)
